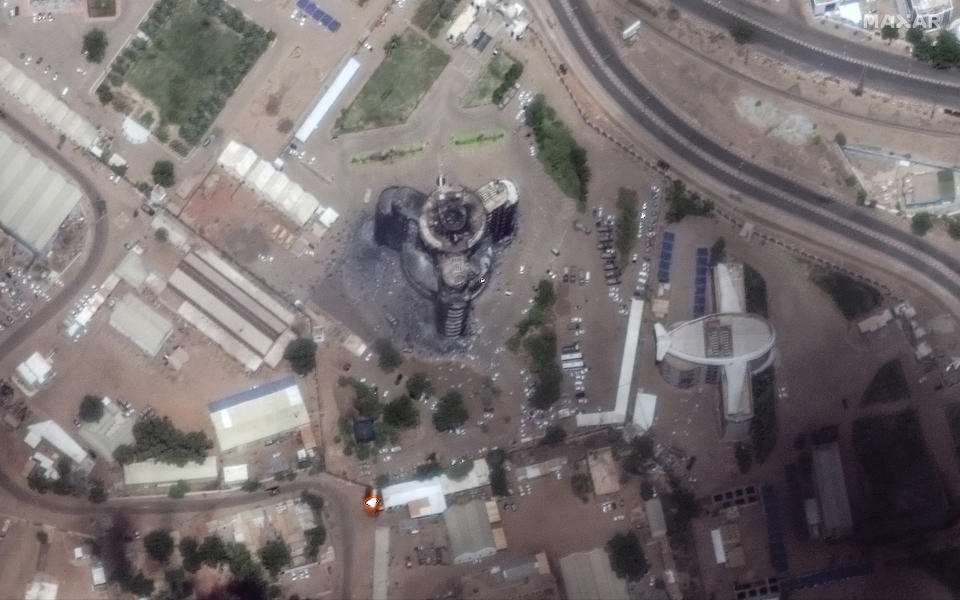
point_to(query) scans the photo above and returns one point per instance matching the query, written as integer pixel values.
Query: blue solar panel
(334, 26)
(316, 13)
(302, 3)
(325, 20)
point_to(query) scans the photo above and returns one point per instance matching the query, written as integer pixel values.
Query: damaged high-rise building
(448, 241)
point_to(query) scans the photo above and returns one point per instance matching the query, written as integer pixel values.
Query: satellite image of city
(479, 300)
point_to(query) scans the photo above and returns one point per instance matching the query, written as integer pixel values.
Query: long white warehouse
(327, 101)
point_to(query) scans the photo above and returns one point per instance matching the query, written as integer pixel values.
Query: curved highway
(897, 74)
(78, 281)
(719, 163)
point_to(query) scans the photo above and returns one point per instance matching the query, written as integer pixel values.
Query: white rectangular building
(146, 328)
(327, 101)
(258, 413)
(151, 472)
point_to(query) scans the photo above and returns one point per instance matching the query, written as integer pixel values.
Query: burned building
(447, 242)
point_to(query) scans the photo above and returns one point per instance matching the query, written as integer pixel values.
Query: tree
(921, 223)
(97, 495)
(682, 203)
(190, 553)
(582, 485)
(555, 434)
(402, 413)
(315, 537)
(718, 252)
(459, 470)
(104, 93)
(95, 45)
(744, 456)
(626, 556)
(274, 556)
(42, 537)
(915, 35)
(741, 32)
(450, 413)
(419, 386)
(953, 227)
(179, 489)
(161, 235)
(91, 409)
(159, 545)
(428, 470)
(163, 173)
(389, 359)
(301, 353)
(890, 32)
(241, 562)
(212, 551)
(251, 485)
(157, 438)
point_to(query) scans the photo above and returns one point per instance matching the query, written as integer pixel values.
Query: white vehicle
(64, 92)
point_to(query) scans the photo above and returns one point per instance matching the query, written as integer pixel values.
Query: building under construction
(447, 242)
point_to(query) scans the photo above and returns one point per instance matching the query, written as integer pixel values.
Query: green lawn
(389, 155)
(395, 89)
(480, 91)
(434, 16)
(466, 139)
(183, 64)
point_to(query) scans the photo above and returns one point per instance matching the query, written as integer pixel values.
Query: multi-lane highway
(593, 47)
(896, 74)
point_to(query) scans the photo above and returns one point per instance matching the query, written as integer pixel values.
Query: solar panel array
(666, 257)
(798, 511)
(700, 283)
(771, 509)
(808, 580)
(319, 15)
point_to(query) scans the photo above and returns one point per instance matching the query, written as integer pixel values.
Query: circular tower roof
(452, 220)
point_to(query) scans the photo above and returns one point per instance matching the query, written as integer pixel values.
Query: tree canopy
(163, 173)
(419, 385)
(389, 358)
(401, 412)
(563, 158)
(555, 434)
(274, 556)
(159, 545)
(95, 45)
(301, 353)
(179, 489)
(91, 409)
(682, 203)
(921, 223)
(157, 438)
(450, 413)
(626, 556)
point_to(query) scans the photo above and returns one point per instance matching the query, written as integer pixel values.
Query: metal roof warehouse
(34, 200)
(258, 413)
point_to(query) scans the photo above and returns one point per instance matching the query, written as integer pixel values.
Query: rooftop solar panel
(334, 26)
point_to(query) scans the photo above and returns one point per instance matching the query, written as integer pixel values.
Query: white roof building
(48, 107)
(258, 413)
(34, 199)
(41, 590)
(422, 498)
(54, 435)
(234, 474)
(326, 102)
(273, 185)
(33, 373)
(151, 472)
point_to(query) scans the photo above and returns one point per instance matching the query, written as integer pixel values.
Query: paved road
(900, 75)
(82, 275)
(719, 163)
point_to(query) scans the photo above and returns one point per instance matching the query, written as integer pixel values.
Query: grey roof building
(468, 527)
(832, 491)
(588, 576)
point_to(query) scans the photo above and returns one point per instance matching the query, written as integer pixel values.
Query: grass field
(480, 91)
(466, 139)
(888, 385)
(433, 16)
(183, 64)
(389, 155)
(395, 89)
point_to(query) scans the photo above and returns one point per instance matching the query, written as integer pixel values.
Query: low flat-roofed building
(875, 322)
(153, 473)
(33, 373)
(287, 519)
(235, 474)
(603, 471)
(261, 412)
(468, 527)
(832, 491)
(527, 577)
(41, 590)
(112, 430)
(588, 576)
(540, 469)
(146, 328)
(478, 476)
(55, 435)
(422, 498)
(655, 517)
